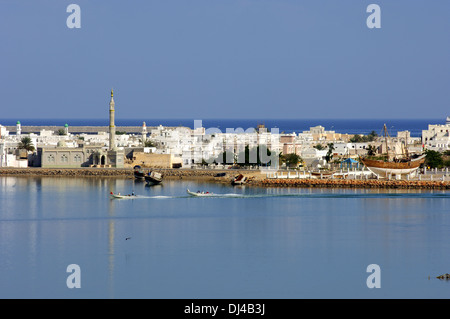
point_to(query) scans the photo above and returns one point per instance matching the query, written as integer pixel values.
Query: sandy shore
(256, 177)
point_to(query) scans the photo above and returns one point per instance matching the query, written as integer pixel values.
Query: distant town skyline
(242, 59)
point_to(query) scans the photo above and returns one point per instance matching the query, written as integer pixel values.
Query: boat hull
(139, 176)
(199, 194)
(153, 178)
(326, 174)
(139, 173)
(385, 169)
(151, 181)
(386, 172)
(122, 196)
(239, 180)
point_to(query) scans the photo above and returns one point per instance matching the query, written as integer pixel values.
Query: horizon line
(211, 118)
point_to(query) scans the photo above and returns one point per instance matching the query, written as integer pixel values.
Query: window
(51, 158)
(64, 158)
(77, 158)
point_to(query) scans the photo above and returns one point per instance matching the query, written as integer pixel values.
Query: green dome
(67, 125)
(18, 122)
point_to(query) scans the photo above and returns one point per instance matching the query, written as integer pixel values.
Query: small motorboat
(118, 195)
(200, 194)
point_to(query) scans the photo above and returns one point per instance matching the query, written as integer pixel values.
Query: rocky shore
(77, 172)
(353, 183)
(124, 172)
(256, 178)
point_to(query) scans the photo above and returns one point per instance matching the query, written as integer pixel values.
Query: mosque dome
(61, 143)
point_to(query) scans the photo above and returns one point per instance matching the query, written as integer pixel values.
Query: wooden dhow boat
(139, 172)
(239, 180)
(388, 165)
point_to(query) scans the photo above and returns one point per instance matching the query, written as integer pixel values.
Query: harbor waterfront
(234, 158)
(256, 177)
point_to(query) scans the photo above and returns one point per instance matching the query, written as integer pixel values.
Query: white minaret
(112, 127)
(448, 120)
(18, 128)
(144, 133)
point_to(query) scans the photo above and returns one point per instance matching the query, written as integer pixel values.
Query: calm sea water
(246, 243)
(352, 126)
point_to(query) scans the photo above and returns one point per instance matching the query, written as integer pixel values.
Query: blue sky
(225, 59)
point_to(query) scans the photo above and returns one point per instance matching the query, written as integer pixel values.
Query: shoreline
(353, 183)
(256, 177)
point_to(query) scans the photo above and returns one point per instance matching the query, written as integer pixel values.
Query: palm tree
(319, 147)
(372, 136)
(434, 159)
(149, 143)
(26, 144)
(329, 155)
(291, 160)
(371, 150)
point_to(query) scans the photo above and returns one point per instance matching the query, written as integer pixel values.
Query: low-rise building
(319, 133)
(437, 137)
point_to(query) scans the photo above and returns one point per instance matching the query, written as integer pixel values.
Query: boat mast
(385, 139)
(406, 145)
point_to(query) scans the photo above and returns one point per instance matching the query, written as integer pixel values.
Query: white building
(3, 132)
(8, 159)
(318, 133)
(313, 156)
(437, 137)
(343, 148)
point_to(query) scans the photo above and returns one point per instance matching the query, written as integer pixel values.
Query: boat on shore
(387, 165)
(139, 173)
(239, 180)
(385, 168)
(200, 194)
(154, 178)
(322, 174)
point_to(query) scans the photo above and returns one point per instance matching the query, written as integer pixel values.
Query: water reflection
(111, 229)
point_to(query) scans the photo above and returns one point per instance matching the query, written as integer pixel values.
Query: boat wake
(301, 195)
